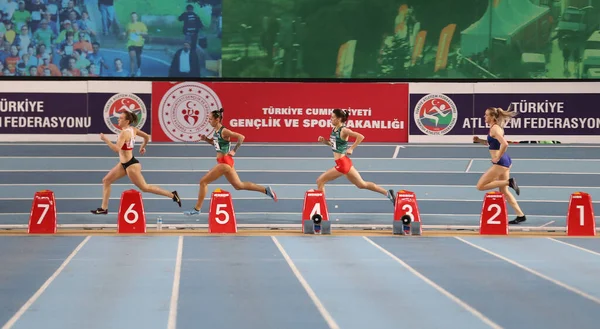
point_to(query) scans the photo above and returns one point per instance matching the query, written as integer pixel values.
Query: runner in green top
(221, 145)
(338, 141)
(221, 141)
(338, 145)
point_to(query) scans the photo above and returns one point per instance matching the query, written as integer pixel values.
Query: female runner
(221, 142)
(338, 140)
(498, 176)
(129, 165)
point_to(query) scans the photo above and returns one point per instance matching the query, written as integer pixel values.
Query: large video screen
(110, 38)
(436, 39)
(386, 39)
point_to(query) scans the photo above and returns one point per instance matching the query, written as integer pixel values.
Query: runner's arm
(478, 140)
(207, 140)
(120, 141)
(145, 136)
(239, 138)
(357, 136)
(322, 140)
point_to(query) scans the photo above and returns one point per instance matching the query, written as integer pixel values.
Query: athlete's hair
(217, 114)
(501, 116)
(342, 114)
(131, 117)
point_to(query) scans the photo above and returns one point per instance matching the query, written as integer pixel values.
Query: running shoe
(176, 198)
(391, 196)
(99, 211)
(513, 184)
(269, 191)
(192, 212)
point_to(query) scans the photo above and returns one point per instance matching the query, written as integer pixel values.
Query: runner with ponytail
(498, 175)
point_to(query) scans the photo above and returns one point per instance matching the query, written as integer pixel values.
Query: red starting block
(494, 218)
(132, 218)
(407, 219)
(580, 215)
(221, 217)
(42, 219)
(315, 217)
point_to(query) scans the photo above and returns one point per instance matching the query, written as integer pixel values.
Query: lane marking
(469, 165)
(45, 286)
(326, 315)
(172, 324)
(396, 152)
(576, 247)
(534, 272)
(443, 291)
(550, 222)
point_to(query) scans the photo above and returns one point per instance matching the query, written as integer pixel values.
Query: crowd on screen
(58, 38)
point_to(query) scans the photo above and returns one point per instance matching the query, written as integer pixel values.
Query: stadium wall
(272, 112)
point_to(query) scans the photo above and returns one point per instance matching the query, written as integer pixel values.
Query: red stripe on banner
(279, 112)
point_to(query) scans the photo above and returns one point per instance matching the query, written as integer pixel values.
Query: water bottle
(159, 223)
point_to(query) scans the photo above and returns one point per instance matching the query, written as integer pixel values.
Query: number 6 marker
(131, 217)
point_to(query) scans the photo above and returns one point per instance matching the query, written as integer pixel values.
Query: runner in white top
(128, 165)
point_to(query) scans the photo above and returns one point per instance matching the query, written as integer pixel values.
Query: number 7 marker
(42, 219)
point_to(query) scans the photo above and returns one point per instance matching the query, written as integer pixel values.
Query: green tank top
(338, 145)
(220, 144)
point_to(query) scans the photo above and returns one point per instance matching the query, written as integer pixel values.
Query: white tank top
(131, 143)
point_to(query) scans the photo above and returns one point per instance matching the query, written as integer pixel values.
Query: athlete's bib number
(216, 144)
(332, 140)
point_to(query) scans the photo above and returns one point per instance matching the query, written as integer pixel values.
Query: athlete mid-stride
(225, 164)
(498, 175)
(338, 141)
(128, 165)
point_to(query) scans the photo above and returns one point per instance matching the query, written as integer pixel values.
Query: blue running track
(443, 177)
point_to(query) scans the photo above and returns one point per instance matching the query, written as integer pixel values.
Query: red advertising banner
(279, 112)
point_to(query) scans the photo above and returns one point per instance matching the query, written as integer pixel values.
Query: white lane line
(534, 272)
(443, 291)
(172, 324)
(326, 315)
(576, 247)
(469, 165)
(45, 286)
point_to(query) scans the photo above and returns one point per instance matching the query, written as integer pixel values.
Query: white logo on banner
(184, 111)
(119, 103)
(435, 114)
